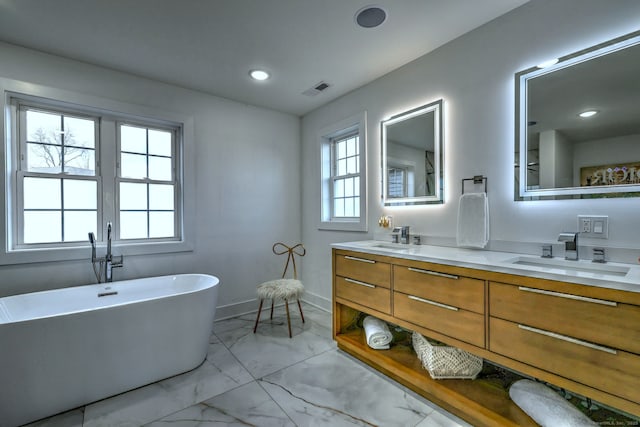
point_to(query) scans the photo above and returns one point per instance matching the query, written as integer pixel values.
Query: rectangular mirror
(412, 157)
(578, 124)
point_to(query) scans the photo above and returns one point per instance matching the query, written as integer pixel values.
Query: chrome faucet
(110, 264)
(570, 245)
(404, 235)
(106, 263)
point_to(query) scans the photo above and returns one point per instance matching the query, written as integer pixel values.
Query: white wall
(247, 182)
(474, 74)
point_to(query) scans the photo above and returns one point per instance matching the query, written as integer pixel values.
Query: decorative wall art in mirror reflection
(578, 125)
(412, 153)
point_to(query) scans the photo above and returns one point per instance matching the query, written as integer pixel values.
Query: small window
(397, 182)
(343, 176)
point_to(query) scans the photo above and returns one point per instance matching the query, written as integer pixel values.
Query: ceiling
(210, 45)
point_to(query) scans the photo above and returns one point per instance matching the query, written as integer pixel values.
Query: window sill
(28, 256)
(343, 226)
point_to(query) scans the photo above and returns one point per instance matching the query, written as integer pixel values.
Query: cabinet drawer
(458, 291)
(448, 320)
(605, 322)
(615, 372)
(376, 297)
(363, 269)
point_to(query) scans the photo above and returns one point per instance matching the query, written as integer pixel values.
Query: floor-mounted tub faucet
(107, 263)
(110, 264)
(570, 245)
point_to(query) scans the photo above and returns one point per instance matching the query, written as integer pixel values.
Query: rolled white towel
(377, 332)
(546, 407)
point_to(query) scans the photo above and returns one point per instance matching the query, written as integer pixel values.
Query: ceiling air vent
(316, 89)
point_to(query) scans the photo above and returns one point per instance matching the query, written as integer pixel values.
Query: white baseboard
(251, 306)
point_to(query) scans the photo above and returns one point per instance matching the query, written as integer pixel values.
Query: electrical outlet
(585, 225)
(594, 226)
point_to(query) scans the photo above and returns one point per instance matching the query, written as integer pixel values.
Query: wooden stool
(285, 289)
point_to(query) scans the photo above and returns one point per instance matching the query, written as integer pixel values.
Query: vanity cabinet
(582, 338)
(588, 340)
(450, 304)
(364, 280)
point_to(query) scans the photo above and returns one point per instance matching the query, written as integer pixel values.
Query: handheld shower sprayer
(92, 240)
(109, 241)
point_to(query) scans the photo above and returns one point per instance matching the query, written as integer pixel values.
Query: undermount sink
(566, 266)
(391, 246)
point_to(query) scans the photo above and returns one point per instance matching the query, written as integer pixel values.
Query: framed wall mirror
(578, 125)
(412, 153)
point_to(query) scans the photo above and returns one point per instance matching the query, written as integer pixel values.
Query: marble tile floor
(266, 379)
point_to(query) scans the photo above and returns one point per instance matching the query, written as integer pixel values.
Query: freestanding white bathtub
(65, 348)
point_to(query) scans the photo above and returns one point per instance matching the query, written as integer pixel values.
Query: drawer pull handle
(357, 282)
(569, 296)
(568, 339)
(433, 273)
(437, 304)
(352, 258)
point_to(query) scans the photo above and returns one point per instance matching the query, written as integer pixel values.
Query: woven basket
(445, 362)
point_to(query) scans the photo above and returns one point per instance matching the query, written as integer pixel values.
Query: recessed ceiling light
(548, 63)
(588, 113)
(259, 75)
(370, 16)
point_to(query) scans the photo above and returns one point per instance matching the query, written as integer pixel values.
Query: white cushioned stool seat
(280, 289)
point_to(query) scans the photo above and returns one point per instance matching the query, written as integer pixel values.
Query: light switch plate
(594, 226)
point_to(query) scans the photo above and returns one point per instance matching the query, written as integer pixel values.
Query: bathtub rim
(5, 314)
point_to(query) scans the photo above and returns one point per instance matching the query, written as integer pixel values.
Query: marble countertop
(610, 275)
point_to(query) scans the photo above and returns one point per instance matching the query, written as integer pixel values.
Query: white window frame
(20, 107)
(356, 124)
(11, 253)
(175, 169)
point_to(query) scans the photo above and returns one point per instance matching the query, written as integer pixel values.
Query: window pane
(133, 139)
(80, 194)
(42, 193)
(348, 207)
(44, 158)
(160, 142)
(43, 127)
(42, 227)
(348, 187)
(79, 132)
(342, 167)
(161, 224)
(133, 166)
(352, 145)
(351, 165)
(160, 168)
(356, 206)
(161, 197)
(133, 225)
(79, 161)
(338, 188)
(338, 207)
(133, 196)
(356, 186)
(77, 225)
(342, 149)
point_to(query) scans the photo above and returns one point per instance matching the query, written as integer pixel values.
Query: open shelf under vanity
(475, 401)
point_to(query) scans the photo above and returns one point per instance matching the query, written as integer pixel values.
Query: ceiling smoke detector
(313, 91)
(370, 16)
